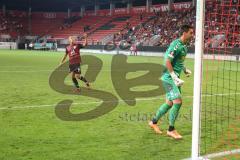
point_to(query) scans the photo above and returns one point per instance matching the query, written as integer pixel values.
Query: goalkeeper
(174, 63)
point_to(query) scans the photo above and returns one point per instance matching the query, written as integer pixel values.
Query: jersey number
(72, 52)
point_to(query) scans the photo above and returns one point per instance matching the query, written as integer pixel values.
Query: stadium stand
(146, 29)
(12, 23)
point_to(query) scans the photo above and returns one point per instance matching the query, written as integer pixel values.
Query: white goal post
(199, 44)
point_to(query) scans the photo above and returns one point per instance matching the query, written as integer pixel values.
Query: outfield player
(174, 65)
(133, 50)
(73, 52)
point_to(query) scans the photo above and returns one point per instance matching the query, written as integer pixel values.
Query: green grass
(31, 130)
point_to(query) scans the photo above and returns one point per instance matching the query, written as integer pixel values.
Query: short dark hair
(185, 28)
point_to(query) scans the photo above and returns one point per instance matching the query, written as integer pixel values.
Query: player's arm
(85, 41)
(168, 64)
(171, 53)
(175, 78)
(64, 57)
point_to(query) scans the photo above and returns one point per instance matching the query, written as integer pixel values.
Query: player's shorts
(75, 68)
(172, 91)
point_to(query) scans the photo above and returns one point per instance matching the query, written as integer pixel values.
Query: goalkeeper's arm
(175, 78)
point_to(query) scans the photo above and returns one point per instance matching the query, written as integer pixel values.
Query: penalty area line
(121, 101)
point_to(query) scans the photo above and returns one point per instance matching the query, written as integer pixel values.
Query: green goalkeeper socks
(161, 111)
(173, 114)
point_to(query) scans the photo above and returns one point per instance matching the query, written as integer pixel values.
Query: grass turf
(31, 130)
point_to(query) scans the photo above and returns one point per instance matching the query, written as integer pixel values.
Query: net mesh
(220, 113)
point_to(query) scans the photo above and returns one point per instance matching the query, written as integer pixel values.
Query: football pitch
(30, 128)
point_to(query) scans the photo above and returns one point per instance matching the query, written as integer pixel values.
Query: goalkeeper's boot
(155, 127)
(174, 134)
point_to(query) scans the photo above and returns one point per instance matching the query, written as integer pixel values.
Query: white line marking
(120, 101)
(221, 154)
(36, 71)
(66, 70)
(47, 70)
(215, 155)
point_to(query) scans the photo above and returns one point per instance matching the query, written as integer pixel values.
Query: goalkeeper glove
(187, 72)
(178, 82)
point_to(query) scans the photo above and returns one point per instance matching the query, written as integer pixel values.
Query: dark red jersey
(73, 52)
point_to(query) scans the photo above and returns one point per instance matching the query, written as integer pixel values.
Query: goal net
(219, 133)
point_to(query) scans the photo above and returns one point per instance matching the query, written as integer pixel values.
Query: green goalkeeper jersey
(176, 53)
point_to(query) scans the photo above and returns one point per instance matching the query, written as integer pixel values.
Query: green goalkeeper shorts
(172, 91)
